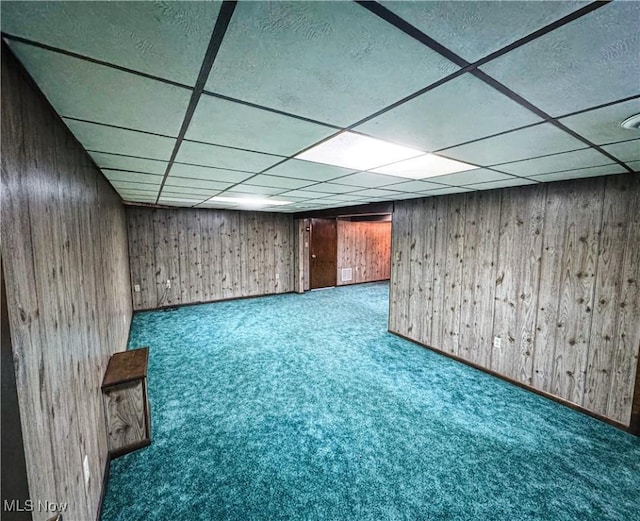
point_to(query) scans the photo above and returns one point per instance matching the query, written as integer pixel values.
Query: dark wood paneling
(365, 247)
(208, 255)
(65, 252)
(551, 270)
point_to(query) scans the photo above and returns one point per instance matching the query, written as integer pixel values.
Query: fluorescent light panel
(357, 152)
(428, 165)
(248, 201)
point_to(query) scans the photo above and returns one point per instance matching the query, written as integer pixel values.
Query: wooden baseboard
(182, 305)
(522, 385)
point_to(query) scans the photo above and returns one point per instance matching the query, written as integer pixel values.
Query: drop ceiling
(206, 104)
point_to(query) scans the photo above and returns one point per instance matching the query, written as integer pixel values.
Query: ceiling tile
(438, 119)
(330, 188)
(505, 183)
(447, 191)
(278, 182)
(135, 192)
(173, 180)
(304, 194)
(519, 144)
(625, 151)
(243, 190)
(374, 192)
(236, 125)
(134, 186)
(131, 164)
(603, 125)
(308, 170)
(195, 192)
(166, 39)
(368, 180)
(338, 197)
(84, 90)
(414, 186)
(475, 29)
(579, 173)
(336, 62)
(590, 61)
(635, 165)
(223, 157)
(135, 177)
(479, 175)
(208, 173)
(554, 163)
(107, 139)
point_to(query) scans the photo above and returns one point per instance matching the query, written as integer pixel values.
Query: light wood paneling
(550, 269)
(64, 250)
(208, 255)
(365, 247)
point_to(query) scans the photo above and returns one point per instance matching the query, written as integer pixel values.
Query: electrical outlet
(497, 342)
(136, 288)
(86, 470)
(168, 283)
(277, 276)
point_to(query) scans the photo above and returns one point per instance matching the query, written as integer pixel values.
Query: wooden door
(323, 252)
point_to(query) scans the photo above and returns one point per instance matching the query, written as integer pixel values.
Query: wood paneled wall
(553, 270)
(208, 255)
(366, 248)
(64, 252)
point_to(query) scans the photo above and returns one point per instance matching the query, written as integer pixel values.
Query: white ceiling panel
(180, 201)
(567, 161)
(447, 191)
(474, 29)
(330, 61)
(438, 119)
(245, 190)
(603, 125)
(173, 181)
(519, 144)
(278, 182)
(635, 165)
(84, 90)
(223, 157)
(232, 124)
(505, 183)
(330, 188)
(185, 190)
(166, 39)
(580, 173)
(479, 175)
(304, 194)
(308, 170)
(118, 141)
(374, 192)
(414, 186)
(588, 62)
(132, 164)
(368, 180)
(208, 173)
(625, 151)
(133, 177)
(132, 185)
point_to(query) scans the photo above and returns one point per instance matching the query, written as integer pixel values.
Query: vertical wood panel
(210, 254)
(365, 247)
(551, 269)
(69, 300)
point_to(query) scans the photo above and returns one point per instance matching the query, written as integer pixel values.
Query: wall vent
(347, 274)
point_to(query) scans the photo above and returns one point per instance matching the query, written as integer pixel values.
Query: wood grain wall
(553, 270)
(64, 253)
(208, 255)
(366, 248)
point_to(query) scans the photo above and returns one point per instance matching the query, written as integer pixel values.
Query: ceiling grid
(180, 104)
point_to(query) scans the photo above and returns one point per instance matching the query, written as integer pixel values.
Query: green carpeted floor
(303, 407)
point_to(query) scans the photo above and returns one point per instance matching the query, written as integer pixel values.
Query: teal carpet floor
(303, 407)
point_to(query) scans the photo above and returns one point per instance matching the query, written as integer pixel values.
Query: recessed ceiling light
(428, 165)
(252, 202)
(358, 152)
(632, 123)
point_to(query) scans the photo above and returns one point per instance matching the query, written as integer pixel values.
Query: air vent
(347, 274)
(632, 123)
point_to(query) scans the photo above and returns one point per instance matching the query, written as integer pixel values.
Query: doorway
(323, 253)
